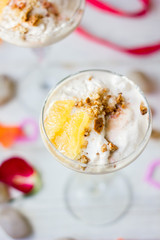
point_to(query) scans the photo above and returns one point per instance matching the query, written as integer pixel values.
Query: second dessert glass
(98, 195)
(39, 80)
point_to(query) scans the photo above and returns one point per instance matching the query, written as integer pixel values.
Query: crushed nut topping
(80, 103)
(83, 168)
(51, 7)
(101, 106)
(120, 99)
(25, 10)
(85, 144)
(104, 148)
(87, 132)
(143, 109)
(34, 19)
(97, 96)
(98, 125)
(88, 100)
(99, 103)
(84, 159)
(90, 78)
(112, 147)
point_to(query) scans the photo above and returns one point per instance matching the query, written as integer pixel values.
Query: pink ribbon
(142, 50)
(107, 8)
(150, 174)
(35, 131)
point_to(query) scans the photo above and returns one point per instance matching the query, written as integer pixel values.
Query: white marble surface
(47, 210)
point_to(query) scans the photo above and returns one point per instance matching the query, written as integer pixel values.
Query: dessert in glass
(37, 24)
(96, 122)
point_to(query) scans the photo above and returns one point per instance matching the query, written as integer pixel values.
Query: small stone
(155, 134)
(4, 193)
(142, 80)
(7, 89)
(14, 223)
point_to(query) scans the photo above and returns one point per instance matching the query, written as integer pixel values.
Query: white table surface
(46, 210)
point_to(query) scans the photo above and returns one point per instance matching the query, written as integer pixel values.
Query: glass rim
(132, 155)
(65, 24)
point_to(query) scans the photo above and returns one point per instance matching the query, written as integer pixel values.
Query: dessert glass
(99, 194)
(40, 77)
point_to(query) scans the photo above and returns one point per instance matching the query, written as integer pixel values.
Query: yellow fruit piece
(58, 115)
(72, 138)
(3, 3)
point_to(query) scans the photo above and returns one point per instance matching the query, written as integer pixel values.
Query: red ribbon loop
(107, 8)
(143, 50)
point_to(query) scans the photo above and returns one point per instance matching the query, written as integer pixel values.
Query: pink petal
(17, 173)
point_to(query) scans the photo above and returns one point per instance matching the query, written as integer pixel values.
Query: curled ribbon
(150, 174)
(107, 8)
(143, 50)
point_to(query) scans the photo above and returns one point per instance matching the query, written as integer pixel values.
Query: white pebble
(7, 89)
(15, 224)
(142, 80)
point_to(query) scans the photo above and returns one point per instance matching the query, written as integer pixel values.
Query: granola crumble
(85, 144)
(143, 109)
(112, 147)
(90, 78)
(24, 10)
(87, 132)
(88, 100)
(120, 99)
(34, 19)
(99, 103)
(98, 125)
(84, 159)
(102, 105)
(104, 148)
(51, 7)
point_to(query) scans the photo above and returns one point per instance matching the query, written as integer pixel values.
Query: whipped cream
(36, 23)
(126, 131)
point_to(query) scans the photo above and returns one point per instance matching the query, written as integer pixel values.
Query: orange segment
(3, 3)
(58, 115)
(72, 138)
(66, 129)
